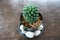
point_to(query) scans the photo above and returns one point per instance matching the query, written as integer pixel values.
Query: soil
(34, 25)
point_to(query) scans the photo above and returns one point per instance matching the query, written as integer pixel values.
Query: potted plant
(31, 22)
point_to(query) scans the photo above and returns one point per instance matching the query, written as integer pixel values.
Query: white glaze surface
(40, 27)
(37, 32)
(30, 34)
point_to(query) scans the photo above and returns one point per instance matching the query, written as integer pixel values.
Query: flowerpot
(28, 32)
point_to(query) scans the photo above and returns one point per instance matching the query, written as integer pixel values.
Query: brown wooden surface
(10, 11)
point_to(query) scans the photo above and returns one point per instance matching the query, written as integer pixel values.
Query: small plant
(30, 13)
(31, 22)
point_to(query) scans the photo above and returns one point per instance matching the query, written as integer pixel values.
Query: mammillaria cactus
(30, 13)
(31, 22)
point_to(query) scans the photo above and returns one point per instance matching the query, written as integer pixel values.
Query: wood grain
(10, 11)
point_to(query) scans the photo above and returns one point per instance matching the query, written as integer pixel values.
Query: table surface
(10, 11)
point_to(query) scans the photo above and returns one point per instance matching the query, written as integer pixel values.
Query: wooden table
(10, 11)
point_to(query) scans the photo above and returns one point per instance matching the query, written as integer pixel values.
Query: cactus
(30, 13)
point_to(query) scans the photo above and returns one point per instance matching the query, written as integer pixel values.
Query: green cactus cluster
(30, 13)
